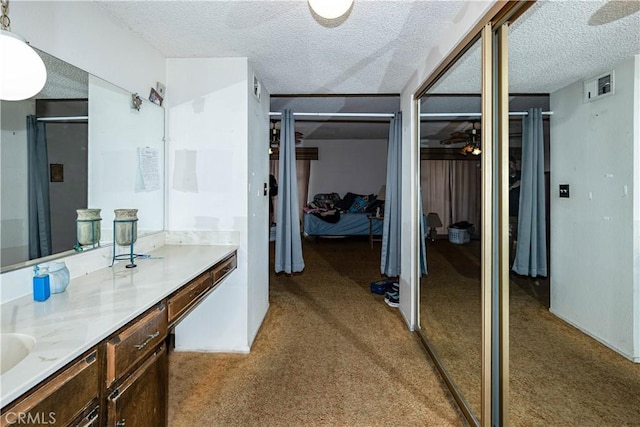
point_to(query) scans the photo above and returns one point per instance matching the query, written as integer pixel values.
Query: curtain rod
(511, 113)
(387, 115)
(59, 119)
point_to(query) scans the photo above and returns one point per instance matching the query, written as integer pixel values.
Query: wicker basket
(459, 236)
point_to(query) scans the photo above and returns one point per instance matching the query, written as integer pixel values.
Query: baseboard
(600, 340)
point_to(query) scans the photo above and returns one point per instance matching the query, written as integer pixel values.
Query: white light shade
(330, 9)
(22, 72)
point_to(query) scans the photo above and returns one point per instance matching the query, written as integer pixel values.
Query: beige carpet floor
(559, 376)
(330, 353)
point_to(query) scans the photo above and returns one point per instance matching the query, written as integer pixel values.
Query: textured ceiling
(64, 81)
(377, 47)
(374, 49)
(553, 45)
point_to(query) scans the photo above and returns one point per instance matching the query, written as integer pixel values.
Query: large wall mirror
(571, 330)
(562, 348)
(93, 150)
(450, 178)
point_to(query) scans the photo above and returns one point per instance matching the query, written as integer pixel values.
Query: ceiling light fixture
(330, 9)
(22, 72)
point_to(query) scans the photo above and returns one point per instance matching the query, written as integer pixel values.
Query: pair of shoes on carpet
(392, 297)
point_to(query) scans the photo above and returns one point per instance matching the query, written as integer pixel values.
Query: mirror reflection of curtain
(465, 192)
(531, 251)
(38, 170)
(288, 251)
(423, 235)
(451, 188)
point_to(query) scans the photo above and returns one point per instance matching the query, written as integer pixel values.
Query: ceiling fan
(275, 134)
(470, 138)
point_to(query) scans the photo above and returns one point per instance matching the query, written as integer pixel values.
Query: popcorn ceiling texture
(377, 47)
(551, 46)
(64, 81)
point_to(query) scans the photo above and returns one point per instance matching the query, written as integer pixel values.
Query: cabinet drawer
(136, 341)
(182, 300)
(224, 268)
(140, 400)
(62, 399)
(91, 419)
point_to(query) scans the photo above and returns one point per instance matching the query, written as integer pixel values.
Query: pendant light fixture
(22, 72)
(330, 9)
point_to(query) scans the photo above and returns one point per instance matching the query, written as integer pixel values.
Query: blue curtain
(38, 170)
(390, 259)
(531, 252)
(423, 233)
(288, 241)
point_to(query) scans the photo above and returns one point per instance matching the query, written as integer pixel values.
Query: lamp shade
(433, 220)
(22, 72)
(382, 193)
(330, 9)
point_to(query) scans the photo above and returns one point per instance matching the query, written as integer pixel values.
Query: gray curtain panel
(423, 234)
(390, 259)
(38, 169)
(288, 241)
(531, 252)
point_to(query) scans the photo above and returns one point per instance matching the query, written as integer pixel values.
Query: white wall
(409, 280)
(592, 239)
(82, 34)
(13, 180)
(356, 166)
(209, 156)
(258, 230)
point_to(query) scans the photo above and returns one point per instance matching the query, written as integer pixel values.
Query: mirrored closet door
(451, 140)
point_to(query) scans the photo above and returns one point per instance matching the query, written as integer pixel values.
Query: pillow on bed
(359, 204)
(345, 203)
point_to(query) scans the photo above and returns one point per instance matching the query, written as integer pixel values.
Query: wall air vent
(598, 87)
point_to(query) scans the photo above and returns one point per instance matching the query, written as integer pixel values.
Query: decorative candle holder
(88, 227)
(125, 233)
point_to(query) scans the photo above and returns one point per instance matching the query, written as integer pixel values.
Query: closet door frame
(492, 30)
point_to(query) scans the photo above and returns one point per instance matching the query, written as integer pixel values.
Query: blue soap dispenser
(41, 286)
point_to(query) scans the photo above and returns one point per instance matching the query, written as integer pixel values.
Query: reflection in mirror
(450, 177)
(571, 331)
(29, 232)
(94, 151)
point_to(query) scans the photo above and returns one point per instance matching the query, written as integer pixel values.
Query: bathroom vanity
(100, 353)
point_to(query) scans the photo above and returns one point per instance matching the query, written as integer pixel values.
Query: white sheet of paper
(149, 168)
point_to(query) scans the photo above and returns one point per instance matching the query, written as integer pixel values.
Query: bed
(349, 224)
(330, 215)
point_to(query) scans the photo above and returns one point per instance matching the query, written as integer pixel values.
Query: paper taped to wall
(148, 177)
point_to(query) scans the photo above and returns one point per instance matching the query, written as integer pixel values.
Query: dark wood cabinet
(123, 381)
(134, 342)
(65, 397)
(181, 302)
(140, 400)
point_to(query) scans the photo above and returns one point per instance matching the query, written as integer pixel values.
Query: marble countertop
(93, 307)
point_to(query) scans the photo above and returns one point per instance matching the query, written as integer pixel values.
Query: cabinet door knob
(121, 423)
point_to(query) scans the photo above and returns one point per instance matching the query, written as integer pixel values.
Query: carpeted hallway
(329, 353)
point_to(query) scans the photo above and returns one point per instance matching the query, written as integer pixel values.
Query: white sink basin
(13, 349)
